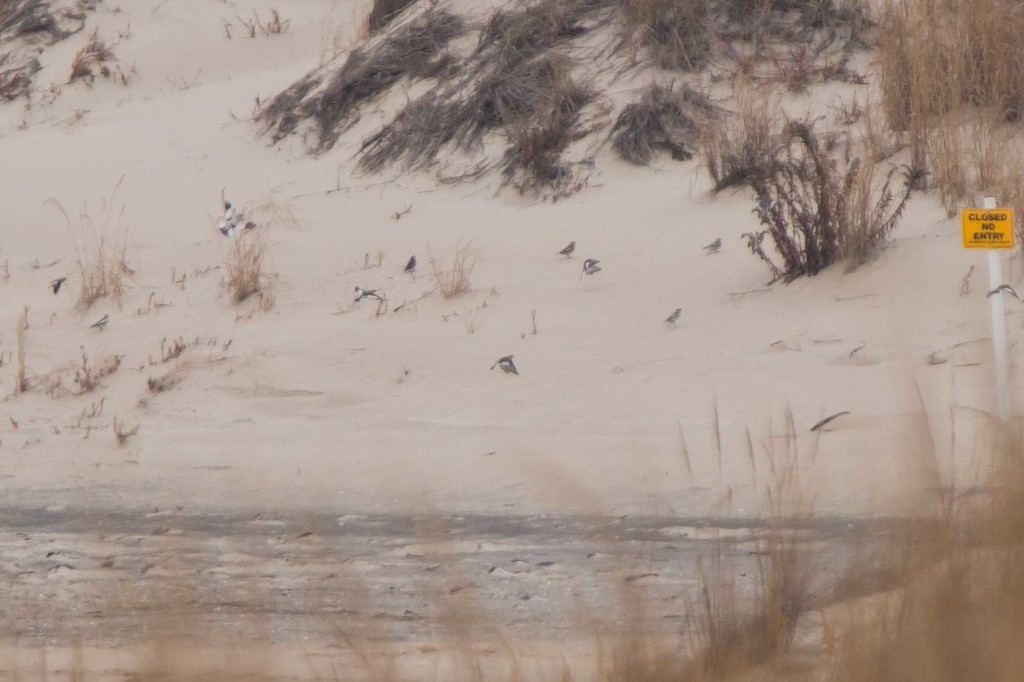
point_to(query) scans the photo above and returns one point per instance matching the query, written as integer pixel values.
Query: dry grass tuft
(103, 275)
(245, 266)
(163, 383)
(662, 119)
(90, 57)
(456, 280)
(738, 148)
(88, 376)
(122, 434)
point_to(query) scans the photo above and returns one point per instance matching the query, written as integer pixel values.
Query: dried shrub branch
(816, 213)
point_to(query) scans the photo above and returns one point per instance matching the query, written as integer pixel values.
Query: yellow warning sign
(987, 228)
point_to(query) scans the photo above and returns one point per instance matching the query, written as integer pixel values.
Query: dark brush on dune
(384, 12)
(535, 102)
(514, 81)
(660, 120)
(368, 72)
(25, 26)
(677, 33)
(29, 17)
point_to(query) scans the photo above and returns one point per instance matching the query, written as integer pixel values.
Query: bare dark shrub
(367, 72)
(816, 213)
(384, 12)
(662, 119)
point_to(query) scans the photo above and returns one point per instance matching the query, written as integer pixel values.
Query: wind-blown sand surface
(320, 407)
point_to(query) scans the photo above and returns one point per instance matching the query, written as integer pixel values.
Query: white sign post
(991, 228)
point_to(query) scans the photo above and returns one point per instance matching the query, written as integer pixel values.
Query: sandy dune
(319, 405)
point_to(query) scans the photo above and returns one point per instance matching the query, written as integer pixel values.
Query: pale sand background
(305, 412)
(294, 417)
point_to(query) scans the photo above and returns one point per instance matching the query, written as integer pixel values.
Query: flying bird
(674, 317)
(714, 246)
(1001, 288)
(567, 251)
(590, 267)
(101, 323)
(506, 364)
(411, 265)
(56, 284)
(362, 293)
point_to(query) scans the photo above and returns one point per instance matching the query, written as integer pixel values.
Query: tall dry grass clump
(102, 273)
(456, 278)
(245, 264)
(956, 612)
(103, 270)
(949, 76)
(736, 148)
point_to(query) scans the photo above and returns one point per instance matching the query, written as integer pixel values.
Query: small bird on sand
(100, 323)
(506, 364)
(362, 293)
(231, 222)
(674, 317)
(228, 222)
(567, 251)
(1000, 289)
(410, 266)
(56, 284)
(590, 267)
(714, 246)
